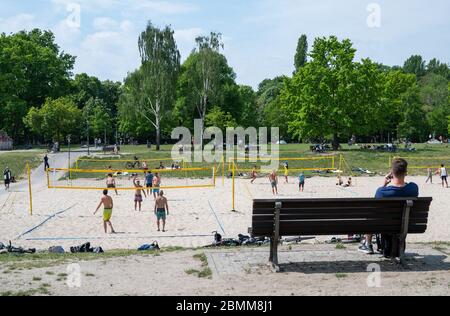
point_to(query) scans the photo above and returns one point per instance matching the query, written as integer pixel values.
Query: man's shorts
(274, 184)
(107, 213)
(161, 214)
(138, 198)
(149, 185)
(7, 181)
(302, 184)
(156, 190)
(444, 178)
(111, 186)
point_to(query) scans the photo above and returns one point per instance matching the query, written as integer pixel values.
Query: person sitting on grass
(138, 195)
(394, 186)
(108, 204)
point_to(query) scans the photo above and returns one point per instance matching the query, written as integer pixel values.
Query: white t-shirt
(443, 172)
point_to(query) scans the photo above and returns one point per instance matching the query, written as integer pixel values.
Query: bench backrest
(339, 216)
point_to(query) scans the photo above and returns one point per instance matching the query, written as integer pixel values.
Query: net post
(29, 188)
(233, 190)
(223, 170)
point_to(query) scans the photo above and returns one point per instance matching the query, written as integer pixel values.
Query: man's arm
(143, 191)
(98, 207)
(167, 207)
(155, 208)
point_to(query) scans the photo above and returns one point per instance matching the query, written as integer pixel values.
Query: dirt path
(310, 270)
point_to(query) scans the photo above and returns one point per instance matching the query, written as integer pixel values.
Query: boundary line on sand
(45, 221)
(111, 237)
(217, 218)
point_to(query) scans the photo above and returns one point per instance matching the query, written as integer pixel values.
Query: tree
(438, 68)
(159, 72)
(324, 96)
(301, 53)
(415, 65)
(222, 92)
(412, 125)
(32, 69)
(98, 118)
(218, 118)
(205, 73)
(56, 119)
(249, 112)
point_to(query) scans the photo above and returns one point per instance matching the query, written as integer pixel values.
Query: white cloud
(185, 39)
(109, 54)
(163, 7)
(91, 5)
(104, 23)
(18, 23)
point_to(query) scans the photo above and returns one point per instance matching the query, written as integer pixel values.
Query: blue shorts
(161, 214)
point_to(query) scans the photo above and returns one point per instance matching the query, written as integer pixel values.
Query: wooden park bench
(276, 218)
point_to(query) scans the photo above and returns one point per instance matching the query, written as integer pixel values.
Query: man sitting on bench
(394, 186)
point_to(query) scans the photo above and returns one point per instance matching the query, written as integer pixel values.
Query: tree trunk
(158, 134)
(335, 142)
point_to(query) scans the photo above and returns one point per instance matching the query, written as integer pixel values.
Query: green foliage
(415, 65)
(301, 53)
(32, 69)
(56, 119)
(332, 94)
(218, 118)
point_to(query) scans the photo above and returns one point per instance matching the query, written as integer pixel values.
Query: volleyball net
(267, 165)
(169, 178)
(423, 163)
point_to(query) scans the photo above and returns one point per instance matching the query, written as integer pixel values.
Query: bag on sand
(153, 246)
(2, 246)
(82, 249)
(57, 249)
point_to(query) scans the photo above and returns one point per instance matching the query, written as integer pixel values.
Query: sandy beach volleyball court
(65, 217)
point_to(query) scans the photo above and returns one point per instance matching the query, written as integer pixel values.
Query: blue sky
(260, 35)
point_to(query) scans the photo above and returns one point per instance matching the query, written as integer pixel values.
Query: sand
(195, 213)
(308, 270)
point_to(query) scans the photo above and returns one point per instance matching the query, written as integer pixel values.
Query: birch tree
(157, 79)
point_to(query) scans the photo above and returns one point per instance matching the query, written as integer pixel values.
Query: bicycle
(136, 164)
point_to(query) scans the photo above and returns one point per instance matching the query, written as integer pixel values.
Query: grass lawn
(374, 161)
(16, 161)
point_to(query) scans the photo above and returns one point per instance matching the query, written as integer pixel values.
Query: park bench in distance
(275, 218)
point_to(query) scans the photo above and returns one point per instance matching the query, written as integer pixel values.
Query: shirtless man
(156, 185)
(273, 178)
(138, 194)
(111, 183)
(108, 204)
(161, 210)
